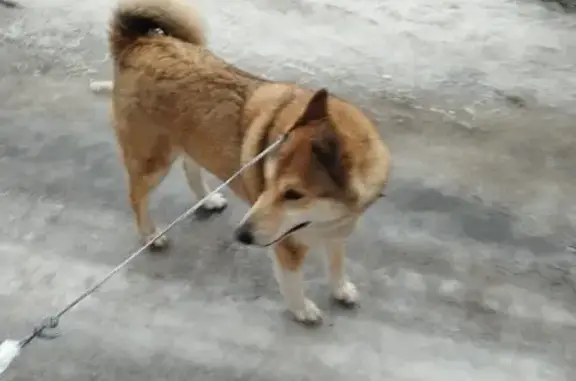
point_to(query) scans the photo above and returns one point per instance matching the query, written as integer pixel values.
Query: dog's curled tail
(133, 19)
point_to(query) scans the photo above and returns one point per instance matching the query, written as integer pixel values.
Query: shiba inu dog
(173, 97)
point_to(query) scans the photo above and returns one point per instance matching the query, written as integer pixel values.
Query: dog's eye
(291, 194)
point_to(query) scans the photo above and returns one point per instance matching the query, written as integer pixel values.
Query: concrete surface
(565, 5)
(466, 269)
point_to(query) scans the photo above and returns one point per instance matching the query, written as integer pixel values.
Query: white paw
(215, 202)
(346, 294)
(309, 315)
(159, 243)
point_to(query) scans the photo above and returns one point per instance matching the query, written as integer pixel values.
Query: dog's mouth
(288, 232)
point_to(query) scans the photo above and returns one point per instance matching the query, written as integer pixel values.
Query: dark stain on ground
(480, 222)
(567, 5)
(12, 151)
(10, 4)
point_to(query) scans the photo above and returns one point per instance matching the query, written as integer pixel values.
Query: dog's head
(305, 181)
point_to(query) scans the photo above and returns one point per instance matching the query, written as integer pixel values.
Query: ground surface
(466, 268)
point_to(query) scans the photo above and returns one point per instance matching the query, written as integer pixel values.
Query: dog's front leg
(343, 290)
(288, 259)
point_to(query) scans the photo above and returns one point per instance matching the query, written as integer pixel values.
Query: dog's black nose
(245, 236)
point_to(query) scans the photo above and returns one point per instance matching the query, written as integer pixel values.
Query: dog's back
(170, 92)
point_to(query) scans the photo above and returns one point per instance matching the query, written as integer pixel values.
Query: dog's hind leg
(147, 164)
(198, 186)
(141, 186)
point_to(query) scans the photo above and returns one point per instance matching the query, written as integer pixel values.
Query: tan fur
(291, 254)
(172, 96)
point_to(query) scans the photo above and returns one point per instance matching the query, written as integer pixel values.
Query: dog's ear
(326, 149)
(317, 108)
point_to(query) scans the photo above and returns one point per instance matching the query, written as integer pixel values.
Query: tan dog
(173, 97)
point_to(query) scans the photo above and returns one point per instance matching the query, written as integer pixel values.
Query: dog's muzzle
(245, 235)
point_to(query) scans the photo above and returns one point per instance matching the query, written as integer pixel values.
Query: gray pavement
(465, 269)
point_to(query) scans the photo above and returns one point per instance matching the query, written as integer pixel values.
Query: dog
(172, 97)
